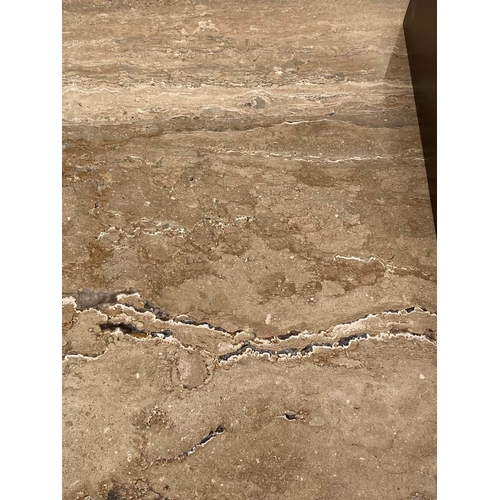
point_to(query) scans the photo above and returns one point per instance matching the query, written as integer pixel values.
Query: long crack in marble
(338, 336)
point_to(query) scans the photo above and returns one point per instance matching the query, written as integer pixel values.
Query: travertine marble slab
(249, 256)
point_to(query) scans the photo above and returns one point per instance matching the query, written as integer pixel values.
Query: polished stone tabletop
(249, 255)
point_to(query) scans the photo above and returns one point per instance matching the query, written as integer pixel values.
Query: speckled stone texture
(249, 256)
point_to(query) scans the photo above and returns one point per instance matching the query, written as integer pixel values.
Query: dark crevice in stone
(159, 313)
(88, 299)
(206, 324)
(428, 334)
(124, 327)
(345, 341)
(291, 333)
(129, 329)
(211, 435)
(431, 335)
(113, 495)
(292, 351)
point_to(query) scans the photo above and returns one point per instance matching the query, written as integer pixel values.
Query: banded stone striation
(244, 189)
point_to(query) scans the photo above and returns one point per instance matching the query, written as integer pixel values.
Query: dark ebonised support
(420, 27)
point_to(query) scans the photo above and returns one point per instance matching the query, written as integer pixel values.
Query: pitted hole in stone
(257, 102)
(291, 416)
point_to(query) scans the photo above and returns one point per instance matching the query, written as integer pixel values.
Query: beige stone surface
(249, 257)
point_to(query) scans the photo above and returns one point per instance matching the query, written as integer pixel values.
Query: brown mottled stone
(243, 190)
